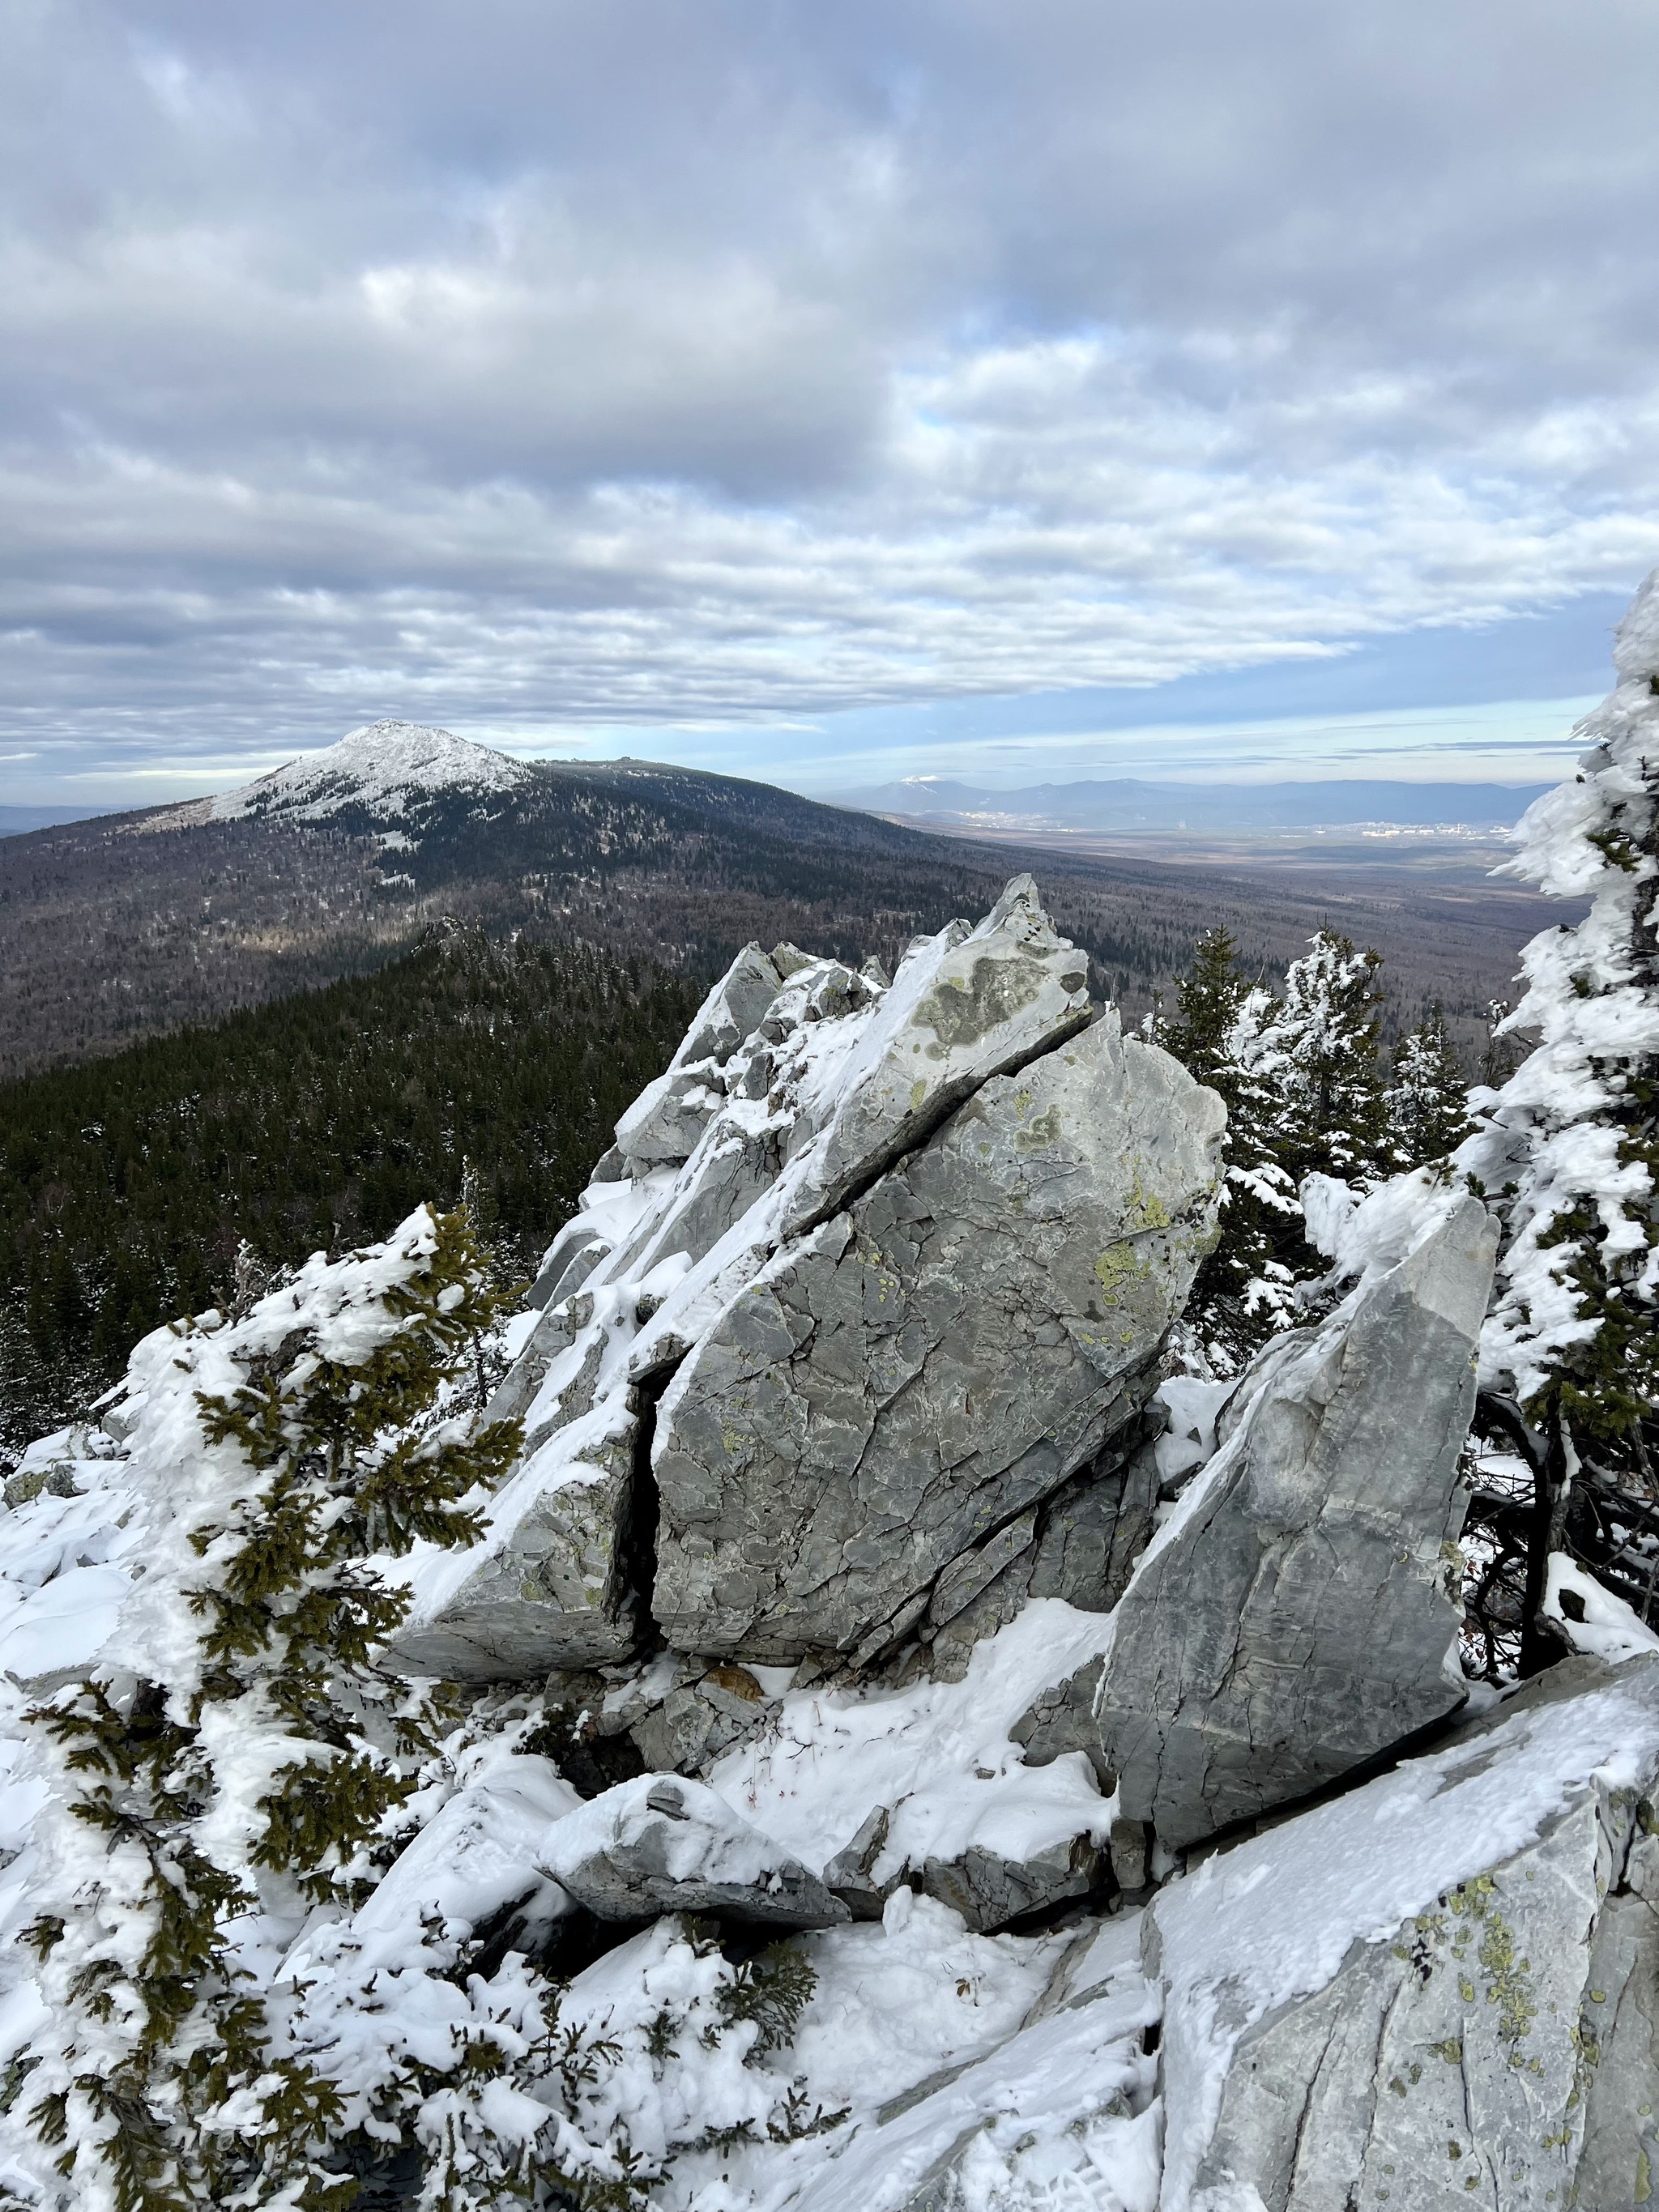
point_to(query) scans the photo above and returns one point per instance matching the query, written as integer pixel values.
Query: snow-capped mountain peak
(382, 766)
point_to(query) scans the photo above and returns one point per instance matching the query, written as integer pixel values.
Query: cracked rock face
(1088, 1535)
(901, 1385)
(964, 1006)
(661, 1843)
(1496, 2044)
(1295, 1617)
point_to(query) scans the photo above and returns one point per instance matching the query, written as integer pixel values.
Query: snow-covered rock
(991, 1305)
(661, 1843)
(1296, 1616)
(547, 1586)
(1063, 2112)
(473, 1866)
(1440, 1984)
(899, 1385)
(668, 1117)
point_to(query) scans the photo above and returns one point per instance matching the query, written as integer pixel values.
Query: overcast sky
(821, 389)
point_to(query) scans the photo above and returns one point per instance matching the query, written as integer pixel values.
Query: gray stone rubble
(662, 1843)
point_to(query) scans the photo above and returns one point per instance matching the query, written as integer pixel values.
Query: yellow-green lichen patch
(960, 1012)
(1118, 1267)
(1046, 1129)
(1145, 1209)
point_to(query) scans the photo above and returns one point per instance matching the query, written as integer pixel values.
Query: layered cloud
(539, 364)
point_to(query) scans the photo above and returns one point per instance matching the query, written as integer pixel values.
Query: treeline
(1309, 1090)
(127, 1185)
(497, 1069)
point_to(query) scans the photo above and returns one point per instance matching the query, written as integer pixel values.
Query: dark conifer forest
(127, 1184)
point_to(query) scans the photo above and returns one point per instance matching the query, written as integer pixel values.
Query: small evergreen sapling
(1209, 996)
(261, 1764)
(1304, 1092)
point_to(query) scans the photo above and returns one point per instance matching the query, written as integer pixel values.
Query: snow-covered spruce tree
(1567, 1151)
(1304, 1089)
(1427, 1102)
(248, 1754)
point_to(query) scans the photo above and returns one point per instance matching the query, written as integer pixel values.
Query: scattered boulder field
(1097, 1734)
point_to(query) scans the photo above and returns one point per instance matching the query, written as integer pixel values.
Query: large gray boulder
(1439, 1989)
(661, 1843)
(1297, 1614)
(897, 1387)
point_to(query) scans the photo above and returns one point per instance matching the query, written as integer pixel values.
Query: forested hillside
(126, 1184)
(132, 925)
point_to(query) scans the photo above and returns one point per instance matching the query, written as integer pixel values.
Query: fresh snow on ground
(936, 1755)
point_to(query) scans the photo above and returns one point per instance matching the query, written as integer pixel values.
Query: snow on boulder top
(382, 765)
(1636, 640)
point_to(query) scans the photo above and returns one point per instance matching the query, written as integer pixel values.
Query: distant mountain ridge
(393, 766)
(126, 925)
(1127, 804)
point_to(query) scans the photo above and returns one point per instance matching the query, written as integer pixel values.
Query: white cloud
(515, 368)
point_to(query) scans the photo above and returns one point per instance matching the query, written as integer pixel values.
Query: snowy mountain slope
(131, 924)
(386, 767)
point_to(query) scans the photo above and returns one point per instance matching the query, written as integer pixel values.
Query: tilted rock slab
(899, 1385)
(667, 1118)
(546, 1587)
(1296, 1616)
(661, 1843)
(1442, 1988)
(964, 1005)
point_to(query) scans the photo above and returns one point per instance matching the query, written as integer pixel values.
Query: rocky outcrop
(667, 1119)
(1442, 1986)
(972, 1272)
(903, 1384)
(661, 1843)
(1297, 1614)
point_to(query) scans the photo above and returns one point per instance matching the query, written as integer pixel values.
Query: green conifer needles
(259, 1758)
